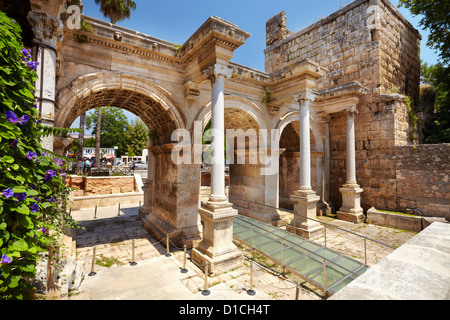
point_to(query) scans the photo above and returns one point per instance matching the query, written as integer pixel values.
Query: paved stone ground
(113, 235)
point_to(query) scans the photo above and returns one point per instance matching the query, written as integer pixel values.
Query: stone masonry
(367, 42)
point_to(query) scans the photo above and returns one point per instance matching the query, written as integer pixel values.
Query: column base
(217, 247)
(157, 228)
(305, 202)
(351, 204)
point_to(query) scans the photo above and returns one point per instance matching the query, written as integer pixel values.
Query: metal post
(251, 292)
(139, 203)
(133, 262)
(93, 273)
(167, 246)
(324, 280)
(95, 212)
(205, 291)
(118, 212)
(297, 291)
(251, 241)
(184, 270)
(365, 250)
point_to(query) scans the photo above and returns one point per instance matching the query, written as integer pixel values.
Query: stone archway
(165, 210)
(248, 184)
(152, 103)
(289, 126)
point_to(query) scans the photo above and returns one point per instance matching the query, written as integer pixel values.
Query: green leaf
(19, 245)
(25, 221)
(8, 159)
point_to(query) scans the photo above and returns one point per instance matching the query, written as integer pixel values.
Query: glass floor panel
(289, 254)
(302, 256)
(332, 275)
(305, 264)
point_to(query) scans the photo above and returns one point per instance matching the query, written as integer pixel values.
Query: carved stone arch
(235, 102)
(314, 127)
(152, 103)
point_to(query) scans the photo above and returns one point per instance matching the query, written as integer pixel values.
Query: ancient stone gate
(333, 90)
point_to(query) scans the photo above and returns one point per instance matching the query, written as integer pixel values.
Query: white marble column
(217, 76)
(47, 32)
(217, 247)
(305, 199)
(351, 192)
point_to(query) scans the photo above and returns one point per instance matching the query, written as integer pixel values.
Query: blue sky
(177, 20)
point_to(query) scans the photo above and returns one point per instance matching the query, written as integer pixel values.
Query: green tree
(435, 17)
(116, 10)
(437, 129)
(136, 137)
(112, 128)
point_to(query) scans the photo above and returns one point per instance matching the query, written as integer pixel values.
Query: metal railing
(325, 224)
(282, 262)
(101, 171)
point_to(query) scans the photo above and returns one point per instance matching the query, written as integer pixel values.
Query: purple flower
(49, 175)
(35, 207)
(8, 193)
(11, 116)
(51, 200)
(42, 230)
(33, 65)
(31, 154)
(20, 196)
(24, 119)
(6, 259)
(14, 143)
(59, 162)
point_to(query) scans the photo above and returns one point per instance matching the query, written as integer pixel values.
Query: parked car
(141, 165)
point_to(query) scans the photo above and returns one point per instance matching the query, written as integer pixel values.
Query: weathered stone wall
(422, 179)
(369, 42)
(89, 186)
(379, 128)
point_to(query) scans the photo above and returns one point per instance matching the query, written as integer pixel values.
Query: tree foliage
(435, 16)
(116, 10)
(437, 130)
(112, 129)
(136, 137)
(32, 192)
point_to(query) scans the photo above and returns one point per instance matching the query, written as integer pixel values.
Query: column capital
(302, 98)
(46, 29)
(350, 111)
(217, 70)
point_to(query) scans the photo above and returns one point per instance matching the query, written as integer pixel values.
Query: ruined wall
(369, 42)
(422, 179)
(89, 186)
